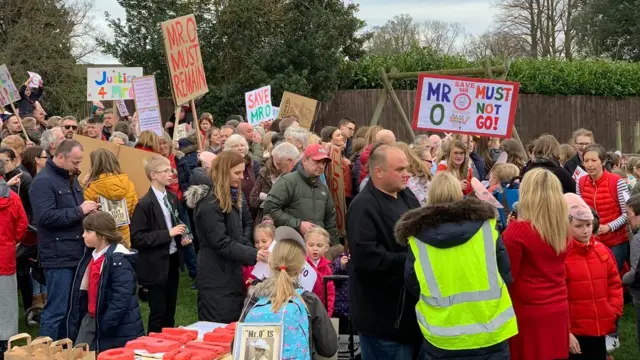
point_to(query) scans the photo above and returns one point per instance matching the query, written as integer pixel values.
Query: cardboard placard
(300, 107)
(145, 97)
(483, 107)
(258, 104)
(186, 72)
(8, 91)
(111, 83)
(335, 180)
(483, 194)
(131, 161)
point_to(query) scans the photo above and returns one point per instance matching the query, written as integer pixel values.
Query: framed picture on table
(258, 341)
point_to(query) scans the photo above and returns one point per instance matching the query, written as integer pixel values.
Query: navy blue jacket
(118, 317)
(55, 199)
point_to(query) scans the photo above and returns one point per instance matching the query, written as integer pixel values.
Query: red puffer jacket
(601, 195)
(324, 269)
(595, 289)
(13, 227)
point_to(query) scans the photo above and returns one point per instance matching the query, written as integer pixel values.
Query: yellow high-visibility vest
(464, 303)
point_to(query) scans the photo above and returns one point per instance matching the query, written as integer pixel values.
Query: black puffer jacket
(225, 246)
(446, 226)
(566, 179)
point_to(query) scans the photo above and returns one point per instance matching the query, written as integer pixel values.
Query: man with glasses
(581, 139)
(348, 129)
(69, 126)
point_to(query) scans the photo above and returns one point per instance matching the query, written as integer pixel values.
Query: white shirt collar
(159, 195)
(97, 255)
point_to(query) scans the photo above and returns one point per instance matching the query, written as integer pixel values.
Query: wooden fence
(536, 115)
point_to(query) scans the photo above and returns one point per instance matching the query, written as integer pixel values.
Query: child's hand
(343, 262)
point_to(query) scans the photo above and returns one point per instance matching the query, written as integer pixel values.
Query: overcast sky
(475, 15)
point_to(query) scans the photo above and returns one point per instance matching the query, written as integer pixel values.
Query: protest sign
(300, 107)
(335, 180)
(145, 97)
(131, 161)
(276, 111)
(111, 83)
(258, 104)
(122, 108)
(579, 173)
(36, 80)
(483, 194)
(186, 72)
(462, 105)
(8, 91)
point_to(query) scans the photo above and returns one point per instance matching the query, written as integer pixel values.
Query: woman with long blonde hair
(536, 243)
(281, 297)
(456, 162)
(106, 181)
(420, 174)
(224, 228)
(148, 141)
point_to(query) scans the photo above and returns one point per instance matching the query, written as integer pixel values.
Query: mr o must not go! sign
(483, 107)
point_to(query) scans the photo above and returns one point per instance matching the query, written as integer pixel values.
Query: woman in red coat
(536, 243)
(595, 289)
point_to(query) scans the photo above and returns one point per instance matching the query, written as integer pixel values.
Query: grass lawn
(187, 313)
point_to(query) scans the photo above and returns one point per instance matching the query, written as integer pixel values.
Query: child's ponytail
(286, 262)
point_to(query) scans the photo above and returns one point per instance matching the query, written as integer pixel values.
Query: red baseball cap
(316, 152)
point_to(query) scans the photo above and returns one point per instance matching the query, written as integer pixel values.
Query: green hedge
(548, 77)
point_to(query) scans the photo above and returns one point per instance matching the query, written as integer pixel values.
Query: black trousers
(592, 348)
(164, 297)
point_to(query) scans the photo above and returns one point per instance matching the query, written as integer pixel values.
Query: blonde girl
(420, 178)
(280, 299)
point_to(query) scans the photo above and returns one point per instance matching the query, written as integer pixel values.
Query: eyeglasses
(70, 127)
(583, 144)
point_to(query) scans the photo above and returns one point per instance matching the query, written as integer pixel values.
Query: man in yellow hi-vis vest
(459, 268)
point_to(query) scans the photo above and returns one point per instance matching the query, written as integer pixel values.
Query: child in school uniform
(632, 278)
(279, 299)
(104, 309)
(593, 284)
(263, 238)
(317, 243)
(158, 234)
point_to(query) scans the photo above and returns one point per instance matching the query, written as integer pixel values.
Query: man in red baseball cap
(301, 200)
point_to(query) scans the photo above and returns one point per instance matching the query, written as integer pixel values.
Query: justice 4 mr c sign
(464, 105)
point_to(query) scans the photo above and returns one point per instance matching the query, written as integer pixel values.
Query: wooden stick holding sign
(176, 121)
(24, 131)
(196, 125)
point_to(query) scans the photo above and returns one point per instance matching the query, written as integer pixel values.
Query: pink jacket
(324, 269)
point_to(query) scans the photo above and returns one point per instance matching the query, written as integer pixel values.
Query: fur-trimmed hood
(194, 194)
(444, 225)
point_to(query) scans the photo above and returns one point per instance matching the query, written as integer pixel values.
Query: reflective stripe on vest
(494, 291)
(463, 319)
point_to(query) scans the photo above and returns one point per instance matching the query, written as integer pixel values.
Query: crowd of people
(435, 271)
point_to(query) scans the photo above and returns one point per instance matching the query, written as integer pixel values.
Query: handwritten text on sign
(8, 91)
(463, 105)
(185, 61)
(111, 83)
(146, 99)
(259, 108)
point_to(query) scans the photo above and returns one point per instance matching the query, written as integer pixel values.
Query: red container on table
(182, 338)
(153, 345)
(219, 349)
(117, 354)
(192, 334)
(189, 354)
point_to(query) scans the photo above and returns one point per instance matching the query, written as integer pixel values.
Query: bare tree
(440, 35)
(396, 35)
(495, 44)
(545, 25)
